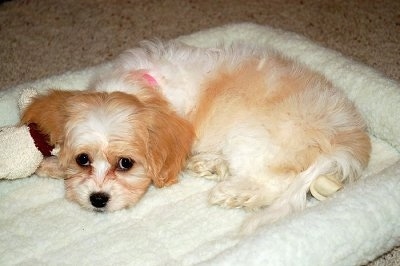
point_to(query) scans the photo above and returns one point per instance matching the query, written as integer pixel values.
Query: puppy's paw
(236, 195)
(208, 166)
(50, 167)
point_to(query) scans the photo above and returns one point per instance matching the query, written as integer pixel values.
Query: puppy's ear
(169, 143)
(49, 114)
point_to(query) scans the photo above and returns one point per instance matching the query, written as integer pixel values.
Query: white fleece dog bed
(176, 226)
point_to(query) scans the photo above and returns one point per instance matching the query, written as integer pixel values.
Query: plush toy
(22, 147)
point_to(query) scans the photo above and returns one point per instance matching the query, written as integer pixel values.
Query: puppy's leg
(208, 165)
(293, 199)
(50, 167)
(238, 193)
(250, 193)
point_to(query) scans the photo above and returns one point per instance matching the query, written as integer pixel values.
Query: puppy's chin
(115, 193)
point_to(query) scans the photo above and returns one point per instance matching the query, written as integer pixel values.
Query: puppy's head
(113, 145)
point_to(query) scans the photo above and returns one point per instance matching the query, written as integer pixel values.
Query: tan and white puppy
(263, 125)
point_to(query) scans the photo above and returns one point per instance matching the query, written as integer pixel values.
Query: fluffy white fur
(266, 127)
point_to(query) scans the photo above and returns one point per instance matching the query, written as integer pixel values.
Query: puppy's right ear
(49, 114)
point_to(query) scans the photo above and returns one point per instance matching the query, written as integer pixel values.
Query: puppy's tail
(342, 163)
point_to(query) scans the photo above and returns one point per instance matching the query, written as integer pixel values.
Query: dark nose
(99, 199)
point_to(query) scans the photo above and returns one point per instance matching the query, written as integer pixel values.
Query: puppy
(261, 124)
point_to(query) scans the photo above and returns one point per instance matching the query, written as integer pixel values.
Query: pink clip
(150, 79)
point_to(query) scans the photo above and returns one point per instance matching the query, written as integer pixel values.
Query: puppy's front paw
(50, 167)
(208, 166)
(233, 195)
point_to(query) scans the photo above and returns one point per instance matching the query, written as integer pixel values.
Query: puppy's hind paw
(208, 166)
(230, 194)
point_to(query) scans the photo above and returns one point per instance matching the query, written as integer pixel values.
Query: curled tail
(346, 163)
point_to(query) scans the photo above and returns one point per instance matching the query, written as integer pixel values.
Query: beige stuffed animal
(22, 147)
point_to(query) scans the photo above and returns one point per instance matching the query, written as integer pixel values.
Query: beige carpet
(47, 37)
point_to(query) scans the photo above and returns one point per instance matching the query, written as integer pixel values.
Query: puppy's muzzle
(99, 199)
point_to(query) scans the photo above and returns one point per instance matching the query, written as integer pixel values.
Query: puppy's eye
(125, 164)
(83, 159)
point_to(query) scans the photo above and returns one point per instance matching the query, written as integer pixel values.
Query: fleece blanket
(176, 226)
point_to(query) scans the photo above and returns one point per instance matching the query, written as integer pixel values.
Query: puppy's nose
(99, 199)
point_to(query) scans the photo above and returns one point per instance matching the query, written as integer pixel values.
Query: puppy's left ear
(169, 144)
